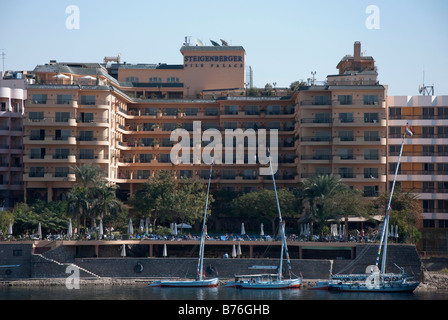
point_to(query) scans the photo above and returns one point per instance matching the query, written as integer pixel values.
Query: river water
(128, 292)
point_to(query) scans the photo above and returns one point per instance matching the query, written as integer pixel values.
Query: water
(218, 294)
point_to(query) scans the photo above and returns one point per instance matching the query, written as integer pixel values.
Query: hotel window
(395, 113)
(37, 153)
(251, 125)
(442, 132)
(428, 187)
(346, 117)
(371, 154)
(322, 136)
(393, 167)
(191, 111)
(370, 99)
(346, 173)
(228, 174)
(3, 106)
(231, 110)
(290, 109)
(143, 174)
(346, 135)
(88, 100)
(428, 113)
(186, 174)
(86, 154)
(345, 99)
(428, 168)
(165, 158)
(273, 125)
(36, 116)
(371, 117)
(169, 126)
(251, 110)
(37, 134)
(62, 116)
(61, 153)
(155, 79)
(132, 79)
(172, 79)
(147, 142)
(210, 125)
(171, 111)
(428, 205)
(250, 174)
(61, 172)
(346, 154)
(427, 132)
(86, 136)
(442, 150)
(442, 168)
(145, 157)
(428, 151)
(86, 117)
(64, 99)
(371, 136)
(231, 125)
(211, 111)
(322, 118)
(442, 206)
(395, 132)
(62, 134)
(39, 98)
(370, 173)
(273, 110)
(442, 113)
(322, 100)
(37, 172)
(323, 171)
(371, 191)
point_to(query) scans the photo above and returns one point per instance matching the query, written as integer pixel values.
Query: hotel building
(12, 101)
(120, 116)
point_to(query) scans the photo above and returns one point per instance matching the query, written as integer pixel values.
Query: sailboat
(200, 281)
(269, 280)
(375, 279)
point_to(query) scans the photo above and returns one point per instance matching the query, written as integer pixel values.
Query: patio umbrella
(147, 226)
(165, 252)
(123, 250)
(243, 231)
(70, 229)
(396, 231)
(142, 225)
(100, 231)
(262, 230)
(61, 76)
(233, 251)
(239, 249)
(130, 228)
(39, 231)
(10, 227)
(88, 78)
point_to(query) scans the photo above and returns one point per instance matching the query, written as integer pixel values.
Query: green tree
(165, 198)
(318, 192)
(405, 212)
(263, 205)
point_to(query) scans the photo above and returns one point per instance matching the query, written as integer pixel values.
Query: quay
(145, 258)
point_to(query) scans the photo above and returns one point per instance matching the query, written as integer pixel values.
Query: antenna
(3, 54)
(425, 90)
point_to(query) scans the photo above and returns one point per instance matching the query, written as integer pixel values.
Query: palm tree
(88, 175)
(78, 204)
(317, 191)
(105, 201)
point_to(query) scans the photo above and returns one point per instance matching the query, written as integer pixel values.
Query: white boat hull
(276, 284)
(186, 283)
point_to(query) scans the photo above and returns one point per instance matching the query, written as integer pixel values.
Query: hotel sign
(231, 61)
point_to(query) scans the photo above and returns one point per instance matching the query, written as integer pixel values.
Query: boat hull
(282, 284)
(361, 287)
(186, 283)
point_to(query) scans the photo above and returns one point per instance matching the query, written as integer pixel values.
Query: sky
(285, 40)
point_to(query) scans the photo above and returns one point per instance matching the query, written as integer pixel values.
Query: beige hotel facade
(120, 116)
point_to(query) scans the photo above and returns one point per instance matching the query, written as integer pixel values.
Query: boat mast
(385, 231)
(281, 226)
(201, 247)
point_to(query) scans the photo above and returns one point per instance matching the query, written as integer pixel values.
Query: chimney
(357, 51)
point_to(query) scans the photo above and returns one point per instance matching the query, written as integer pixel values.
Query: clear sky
(284, 39)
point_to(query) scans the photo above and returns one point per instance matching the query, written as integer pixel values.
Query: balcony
(49, 122)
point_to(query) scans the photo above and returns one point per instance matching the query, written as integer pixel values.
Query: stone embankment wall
(44, 266)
